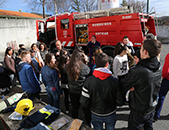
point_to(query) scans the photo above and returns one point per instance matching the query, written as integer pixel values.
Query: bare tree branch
(138, 6)
(2, 3)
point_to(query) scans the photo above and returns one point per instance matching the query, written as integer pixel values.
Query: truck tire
(109, 50)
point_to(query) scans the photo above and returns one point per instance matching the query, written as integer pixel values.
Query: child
(36, 65)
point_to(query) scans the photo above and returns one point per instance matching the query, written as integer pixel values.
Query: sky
(161, 6)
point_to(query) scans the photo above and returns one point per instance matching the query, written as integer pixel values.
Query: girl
(120, 62)
(77, 71)
(37, 53)
(43, 50)
(50, 77)
(10, 65)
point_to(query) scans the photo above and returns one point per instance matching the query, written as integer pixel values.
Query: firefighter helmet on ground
(24, 106)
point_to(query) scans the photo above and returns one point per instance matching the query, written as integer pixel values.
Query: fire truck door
(65, 32)
(40, 31)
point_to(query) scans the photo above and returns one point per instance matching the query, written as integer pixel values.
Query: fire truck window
(65, 24)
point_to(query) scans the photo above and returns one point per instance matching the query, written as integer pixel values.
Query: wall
(16, 31)
(163, 33)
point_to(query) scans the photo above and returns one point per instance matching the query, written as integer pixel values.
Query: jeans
(13, 79)
(53, 96)
(109, 121)
(162, 93)
(138, 121)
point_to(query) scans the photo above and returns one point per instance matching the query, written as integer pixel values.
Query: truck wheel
(108, 50)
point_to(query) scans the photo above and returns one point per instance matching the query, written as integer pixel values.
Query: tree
(59, 6)
(2, 3)
(84, 5)
(76, 5)
(138, 6)
(89, 5)
(37, 5)
(72, 5)
(124, 3)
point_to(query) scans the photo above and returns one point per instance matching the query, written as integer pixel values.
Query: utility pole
(55, 8)
(147, 6)
(43, 4)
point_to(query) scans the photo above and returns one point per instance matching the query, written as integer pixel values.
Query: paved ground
(123, 112)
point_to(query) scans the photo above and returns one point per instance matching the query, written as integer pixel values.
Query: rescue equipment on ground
(46, 115)
(24, 106)
(76, 124)
(7, 103)
(58, 123)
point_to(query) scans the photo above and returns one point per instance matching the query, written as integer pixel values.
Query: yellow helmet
(24, 106)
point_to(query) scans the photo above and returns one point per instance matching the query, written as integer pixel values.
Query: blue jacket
(50, 78)
(28, 79)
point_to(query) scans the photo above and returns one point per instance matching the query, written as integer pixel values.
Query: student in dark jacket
(101, 94)
(62, 63)
(58, 49)
(146, 80)
(92, 44)
(77, 71)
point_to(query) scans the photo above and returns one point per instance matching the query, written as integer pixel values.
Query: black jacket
(146, 80)
(101, 93)
(76, 86)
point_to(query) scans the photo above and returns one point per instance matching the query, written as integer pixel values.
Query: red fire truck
(109, 26)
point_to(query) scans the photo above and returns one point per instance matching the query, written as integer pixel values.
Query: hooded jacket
(76, 86)
(146, 80)
(27, 77)
(101, 93)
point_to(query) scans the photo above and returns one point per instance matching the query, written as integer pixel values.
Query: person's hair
(48, 58)
(94, 36)
(20, 50)
(33, 45)
(45, 47)
(119, 48)
(101, 60)
(31, 50)
(58, 41)
(20, 45)
(137, 53)
(153, 47)
(74, 66)
(150, 36)
(125, 37)
(7, 50)
(63, 58)
(97, 50)
(24, 53)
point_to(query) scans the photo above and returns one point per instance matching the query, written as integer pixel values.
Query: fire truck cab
(109, 26)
